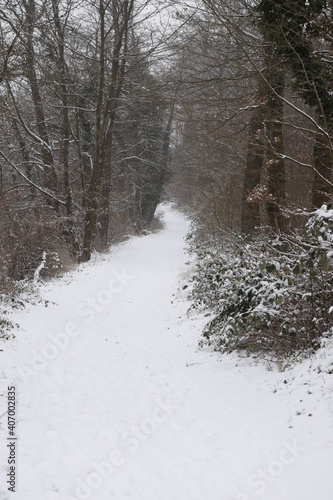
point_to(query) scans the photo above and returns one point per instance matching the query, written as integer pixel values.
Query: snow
(324, 213)
(115, 400)
(39, 269)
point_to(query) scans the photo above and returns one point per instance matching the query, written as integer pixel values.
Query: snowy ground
(116, 401)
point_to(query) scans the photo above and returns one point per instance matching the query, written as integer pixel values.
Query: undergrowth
(266, 294)
(15, 295)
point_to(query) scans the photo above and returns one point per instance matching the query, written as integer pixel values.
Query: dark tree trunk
(116, 84)
(93, 190)
(99, 191)
(275, 163)
(254, 163)
(50, 176)
(66, 133)
(266, 146)
(323, 163)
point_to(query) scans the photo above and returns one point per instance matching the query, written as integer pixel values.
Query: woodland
(108, 107)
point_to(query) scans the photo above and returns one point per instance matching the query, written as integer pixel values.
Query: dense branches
(102, 104)
(301, 33)
(66, 80)
(255, 155)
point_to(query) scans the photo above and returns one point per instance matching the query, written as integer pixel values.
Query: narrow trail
(116, 401)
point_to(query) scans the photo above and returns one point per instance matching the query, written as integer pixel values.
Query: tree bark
(66, 133)
(254, 163)
(50, 176)
(323, 163)
(275, 163)
(116, 84)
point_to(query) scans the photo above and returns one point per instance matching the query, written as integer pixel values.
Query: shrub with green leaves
(268, 294)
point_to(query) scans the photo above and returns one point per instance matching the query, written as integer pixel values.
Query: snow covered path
(115, 400)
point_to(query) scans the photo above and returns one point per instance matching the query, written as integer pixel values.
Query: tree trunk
(60, 36)
(95, 180)
(50, 176)
(323, 164)
(254, 162)
(116, 84)
(275, 163)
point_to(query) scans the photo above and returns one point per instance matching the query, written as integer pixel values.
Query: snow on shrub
(16, 295)
(269, 294)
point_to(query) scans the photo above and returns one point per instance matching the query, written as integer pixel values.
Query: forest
(108, 107)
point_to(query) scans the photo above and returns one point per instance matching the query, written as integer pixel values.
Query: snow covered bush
(6, 325)
(16, 295)
(268, 295)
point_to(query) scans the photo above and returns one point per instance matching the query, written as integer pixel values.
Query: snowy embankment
(116, 401)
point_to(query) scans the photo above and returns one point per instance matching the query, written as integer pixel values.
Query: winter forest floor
(115, 400)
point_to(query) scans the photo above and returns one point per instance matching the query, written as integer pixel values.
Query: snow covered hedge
(268, 295)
